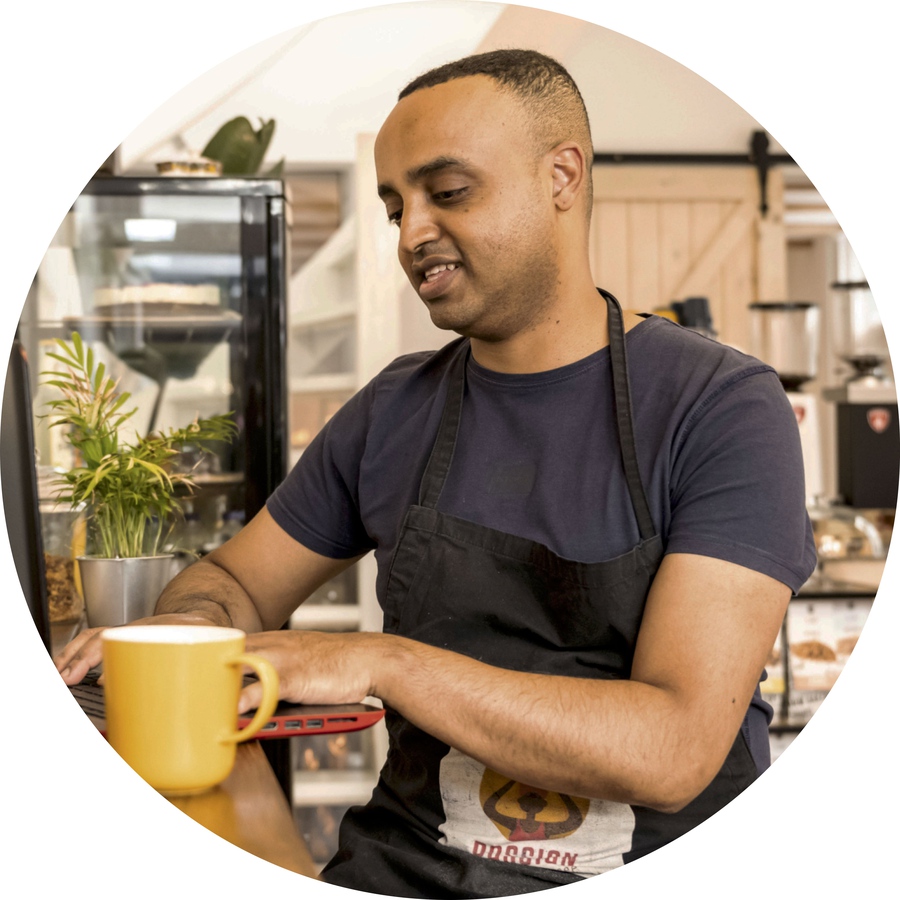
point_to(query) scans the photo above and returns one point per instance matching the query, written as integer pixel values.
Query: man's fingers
(65, 656)
(75, 671)
(85, 650)
(80, 655)
(251, 697)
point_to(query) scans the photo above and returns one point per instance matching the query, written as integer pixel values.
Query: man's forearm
(206, 590)
(615, 740)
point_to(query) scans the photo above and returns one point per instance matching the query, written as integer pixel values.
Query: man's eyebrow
(437, 164)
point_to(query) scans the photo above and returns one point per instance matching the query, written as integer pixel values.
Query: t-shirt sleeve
(738, 490)
(318, 503)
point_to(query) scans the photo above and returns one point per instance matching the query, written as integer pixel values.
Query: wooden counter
(249, 810)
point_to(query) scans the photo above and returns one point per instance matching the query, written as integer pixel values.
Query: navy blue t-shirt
(537, 456)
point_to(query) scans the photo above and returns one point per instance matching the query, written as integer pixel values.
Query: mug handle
(268, 678)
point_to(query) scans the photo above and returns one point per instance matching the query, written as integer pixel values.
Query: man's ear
(568, 174)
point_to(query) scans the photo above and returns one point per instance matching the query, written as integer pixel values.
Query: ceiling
(337, 77)
(323, 83)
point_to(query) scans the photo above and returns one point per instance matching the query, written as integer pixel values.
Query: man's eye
(394, 217)
(455, 194)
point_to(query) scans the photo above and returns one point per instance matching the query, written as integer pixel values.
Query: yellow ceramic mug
(171, 701)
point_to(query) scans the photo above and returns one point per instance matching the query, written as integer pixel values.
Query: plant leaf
(65, 360)
(79, 347)
(261, 144)
(233, 145)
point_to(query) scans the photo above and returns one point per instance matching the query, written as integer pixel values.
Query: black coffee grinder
(868, 434)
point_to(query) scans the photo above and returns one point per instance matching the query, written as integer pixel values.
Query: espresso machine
(786, 336)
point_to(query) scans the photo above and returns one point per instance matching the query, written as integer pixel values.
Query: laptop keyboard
(89, 694)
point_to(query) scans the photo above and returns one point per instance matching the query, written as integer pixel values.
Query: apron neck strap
(624, 415)
(442, 452)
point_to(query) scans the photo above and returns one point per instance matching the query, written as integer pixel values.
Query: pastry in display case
(192, 166)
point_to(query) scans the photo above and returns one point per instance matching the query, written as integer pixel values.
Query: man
(587, 525)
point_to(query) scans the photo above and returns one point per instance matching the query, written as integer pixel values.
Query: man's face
(459, 177)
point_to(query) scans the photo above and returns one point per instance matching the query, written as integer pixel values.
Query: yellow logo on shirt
(524, 813)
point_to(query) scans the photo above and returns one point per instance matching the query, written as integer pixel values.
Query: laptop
(20, 503)
(288, 720)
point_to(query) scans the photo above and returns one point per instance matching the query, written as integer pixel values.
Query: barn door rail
(757, 156)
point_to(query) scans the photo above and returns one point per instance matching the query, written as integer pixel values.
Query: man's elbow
(671, 802)
(681, 782)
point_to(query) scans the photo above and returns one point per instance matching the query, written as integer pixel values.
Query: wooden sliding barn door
(664, 233)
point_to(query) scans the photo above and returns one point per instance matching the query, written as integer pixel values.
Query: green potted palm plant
(129, 489)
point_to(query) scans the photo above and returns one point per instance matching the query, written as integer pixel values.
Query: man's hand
(316, 668)
(85, 650)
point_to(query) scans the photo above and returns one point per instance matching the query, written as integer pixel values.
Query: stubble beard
(498, 312)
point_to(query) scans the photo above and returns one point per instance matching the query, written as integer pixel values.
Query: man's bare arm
(655, 740)
(253, 582)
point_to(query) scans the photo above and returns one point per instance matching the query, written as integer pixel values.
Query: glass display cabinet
(178, 285)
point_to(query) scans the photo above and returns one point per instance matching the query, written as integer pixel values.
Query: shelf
(47, 329)
(790, 725)
(214, 323)
(189, 391)
(323, 384)
(339, 249)
(326, 617)
(333, 787)
(820, 587)
(334, 312)
(217, 479)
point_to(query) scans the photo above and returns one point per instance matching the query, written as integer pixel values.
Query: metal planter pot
(117, 591)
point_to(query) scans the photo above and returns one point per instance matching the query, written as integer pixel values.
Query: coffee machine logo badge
(878, 419)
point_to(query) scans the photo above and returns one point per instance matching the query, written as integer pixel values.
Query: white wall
(638, 100)
(339, 76)
(328, 82)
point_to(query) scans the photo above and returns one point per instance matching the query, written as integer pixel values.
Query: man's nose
(418, 226)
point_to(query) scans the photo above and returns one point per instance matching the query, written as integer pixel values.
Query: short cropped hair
(547, 91)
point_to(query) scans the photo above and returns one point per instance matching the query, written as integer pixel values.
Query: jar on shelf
(63, 536)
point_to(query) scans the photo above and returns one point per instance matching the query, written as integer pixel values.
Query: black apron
(439, 824)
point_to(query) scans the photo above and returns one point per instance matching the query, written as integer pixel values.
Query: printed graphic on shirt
(524, 813)
(489, 815)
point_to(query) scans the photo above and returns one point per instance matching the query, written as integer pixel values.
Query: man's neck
(572, 329)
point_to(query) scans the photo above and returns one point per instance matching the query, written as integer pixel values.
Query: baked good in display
(186, 294)
(191, 167)
(150, 299)
(63, 600)
(846, 645)
(813, 650)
